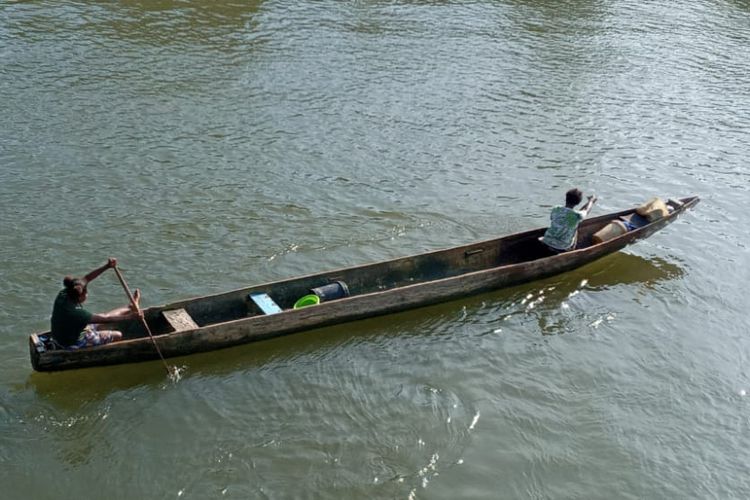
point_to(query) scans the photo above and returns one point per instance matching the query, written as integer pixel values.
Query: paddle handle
(127, 291)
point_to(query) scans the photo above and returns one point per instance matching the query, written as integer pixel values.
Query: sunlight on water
(176, 373)
(596, 323)
(474, 422)
(429, 470)
(220, 144)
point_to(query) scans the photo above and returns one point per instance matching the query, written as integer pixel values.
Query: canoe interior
(382, 276)
(377, 277)
(362, 280)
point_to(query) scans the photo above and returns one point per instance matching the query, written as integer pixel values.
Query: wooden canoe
(233, 318)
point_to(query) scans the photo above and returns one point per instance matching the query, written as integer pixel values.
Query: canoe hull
(242, 330)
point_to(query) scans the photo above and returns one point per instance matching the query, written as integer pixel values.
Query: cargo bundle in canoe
(267, 310)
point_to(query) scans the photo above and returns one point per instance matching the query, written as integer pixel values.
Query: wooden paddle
(170, 372)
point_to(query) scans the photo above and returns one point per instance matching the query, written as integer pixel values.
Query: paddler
(73, 327)
(562, 233)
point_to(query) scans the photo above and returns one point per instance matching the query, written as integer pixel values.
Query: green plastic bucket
(307, 300)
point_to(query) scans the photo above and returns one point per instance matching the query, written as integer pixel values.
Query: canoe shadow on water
(315, 345)
(69, 390)
(545, 302)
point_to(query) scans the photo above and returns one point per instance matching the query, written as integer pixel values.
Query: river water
(210, 145)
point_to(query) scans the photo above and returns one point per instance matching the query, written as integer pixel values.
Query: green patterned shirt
(561, 234)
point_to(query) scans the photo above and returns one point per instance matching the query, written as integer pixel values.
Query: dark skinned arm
(112, 262)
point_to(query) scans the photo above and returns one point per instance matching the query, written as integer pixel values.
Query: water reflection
(221, 24)
(71, 410)
(567, 9)
(621, 269)
(218, 24)
(547, 304)
(740, 4)
(69, 391)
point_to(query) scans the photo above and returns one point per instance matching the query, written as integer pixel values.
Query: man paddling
(562, 233)
(73, 327)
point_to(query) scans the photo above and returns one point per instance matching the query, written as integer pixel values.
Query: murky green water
(212, 145)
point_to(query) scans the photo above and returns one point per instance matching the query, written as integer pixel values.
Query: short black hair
(573, 197)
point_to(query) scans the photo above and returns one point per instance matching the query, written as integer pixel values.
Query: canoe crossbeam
(180, 320)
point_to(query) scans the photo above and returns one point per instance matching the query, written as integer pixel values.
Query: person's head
(76, 289)
(573, 197)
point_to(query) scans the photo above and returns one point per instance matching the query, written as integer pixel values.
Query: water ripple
(210, 145)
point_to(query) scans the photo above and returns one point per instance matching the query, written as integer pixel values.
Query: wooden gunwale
(367, 303)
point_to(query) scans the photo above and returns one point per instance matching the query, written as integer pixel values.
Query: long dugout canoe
(267, 310)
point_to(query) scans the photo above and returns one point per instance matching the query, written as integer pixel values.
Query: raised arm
(589, 204)
(112, 262)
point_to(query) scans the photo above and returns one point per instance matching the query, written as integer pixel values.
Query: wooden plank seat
(180, 320)
(265, 303)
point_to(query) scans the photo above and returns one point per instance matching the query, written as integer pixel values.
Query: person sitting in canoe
(562, 233)
(73, 326)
